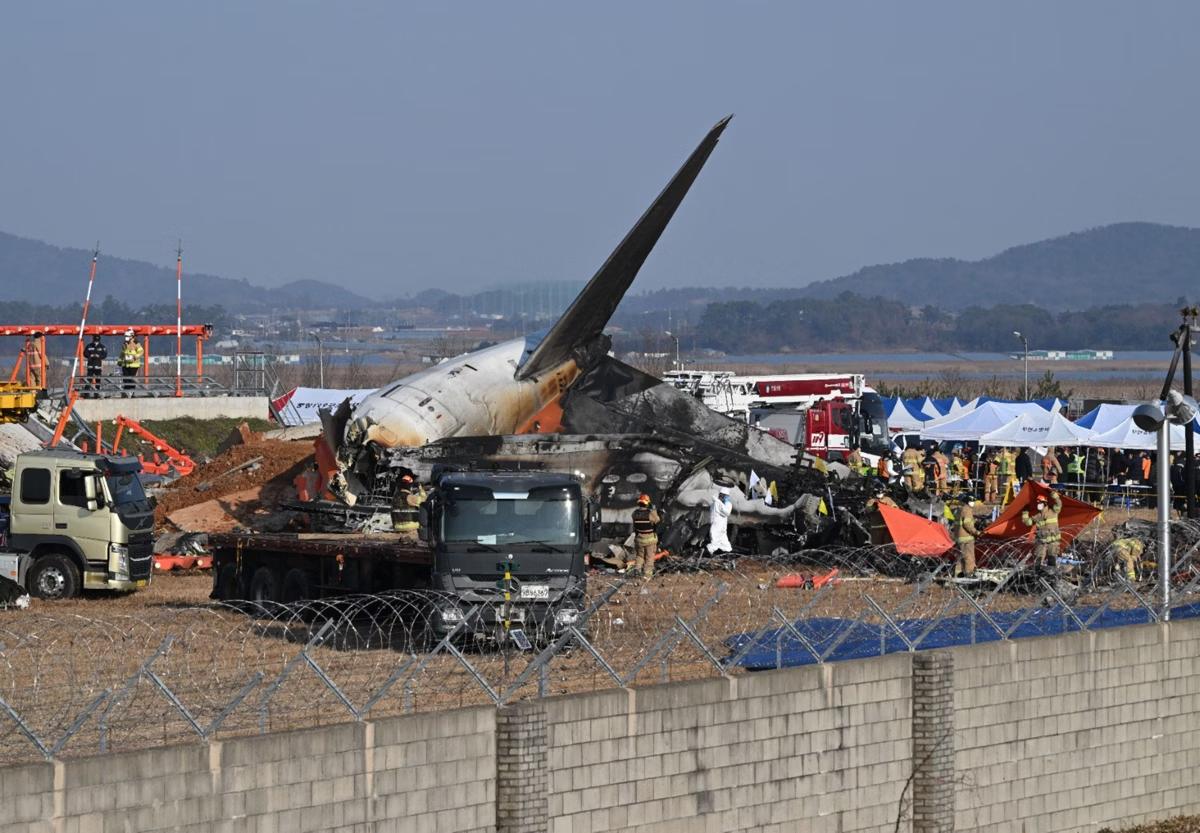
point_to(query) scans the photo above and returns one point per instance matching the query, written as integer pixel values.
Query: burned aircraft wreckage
(561, 403)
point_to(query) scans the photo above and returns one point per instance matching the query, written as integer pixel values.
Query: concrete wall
(170, 407)
(420, 773)
(1067, 733)
(1080, 731)
(815, 749)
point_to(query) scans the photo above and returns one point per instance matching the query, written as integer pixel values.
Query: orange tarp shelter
(1075, 515)
(914, 535)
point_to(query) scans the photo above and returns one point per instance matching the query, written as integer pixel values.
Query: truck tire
(265, 585)
(296, 586)
(53, 576)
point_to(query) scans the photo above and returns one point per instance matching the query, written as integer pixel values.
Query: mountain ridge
(1119, 263)
(1128, 262)
(35, 271)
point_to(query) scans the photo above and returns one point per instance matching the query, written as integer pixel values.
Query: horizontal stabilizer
(589, 313)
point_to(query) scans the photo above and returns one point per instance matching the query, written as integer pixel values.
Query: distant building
(1067, 355)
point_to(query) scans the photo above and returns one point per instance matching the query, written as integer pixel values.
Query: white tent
(901, 419)
(1031, 430)
(988, 417)
(1128, 435)
(1106, 416)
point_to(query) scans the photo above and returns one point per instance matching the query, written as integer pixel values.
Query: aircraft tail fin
(589, 313)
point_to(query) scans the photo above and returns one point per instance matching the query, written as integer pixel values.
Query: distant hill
(1117, 264)
(40, 273)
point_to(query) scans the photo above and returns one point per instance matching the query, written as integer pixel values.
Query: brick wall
(814, 749)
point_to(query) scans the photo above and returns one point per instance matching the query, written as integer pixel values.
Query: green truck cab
(79, 522)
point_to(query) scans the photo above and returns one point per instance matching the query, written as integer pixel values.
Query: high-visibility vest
(1076, 464)
(131, 355)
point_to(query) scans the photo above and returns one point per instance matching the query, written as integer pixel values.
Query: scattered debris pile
(243, 482)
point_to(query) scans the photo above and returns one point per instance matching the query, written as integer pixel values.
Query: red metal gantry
(201, 332)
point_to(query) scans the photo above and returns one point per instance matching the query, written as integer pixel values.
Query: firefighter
(855, 460)
(964, 537)
(958, 468)
(1047, 537)
(991, 480)
(943, 471)
(94, 355)
(33, 359)
(130, 361)
(910, 468)
(645, 537)
(1005, 464)
(406, 504)
(1127, 552)
(1051, 468)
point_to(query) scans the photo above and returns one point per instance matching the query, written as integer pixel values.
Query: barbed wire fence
(74, 685)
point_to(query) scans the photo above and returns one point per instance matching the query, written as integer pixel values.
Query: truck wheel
(265, 585)
(54, 576)
(296, 586)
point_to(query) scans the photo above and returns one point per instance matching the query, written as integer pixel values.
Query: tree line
(113, 311)
(854, 322)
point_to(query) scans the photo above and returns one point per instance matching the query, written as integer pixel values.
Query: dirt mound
(281, 461)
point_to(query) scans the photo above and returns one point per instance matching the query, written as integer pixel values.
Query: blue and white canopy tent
(900, 418)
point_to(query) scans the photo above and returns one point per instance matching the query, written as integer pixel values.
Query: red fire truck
(824, 413)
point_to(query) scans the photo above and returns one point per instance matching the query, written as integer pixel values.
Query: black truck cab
(511, 544)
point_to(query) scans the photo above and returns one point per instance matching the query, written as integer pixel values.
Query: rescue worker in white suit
(718, 521)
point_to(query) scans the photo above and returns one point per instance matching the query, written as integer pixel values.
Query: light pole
(320, 357)
(1178, 409)
(674, 338)
(1025, 344)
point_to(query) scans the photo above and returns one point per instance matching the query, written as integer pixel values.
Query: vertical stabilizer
(589, 313)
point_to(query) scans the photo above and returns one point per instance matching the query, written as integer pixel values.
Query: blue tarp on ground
(779, 648)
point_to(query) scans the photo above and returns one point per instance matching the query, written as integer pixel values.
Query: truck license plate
(535, 591)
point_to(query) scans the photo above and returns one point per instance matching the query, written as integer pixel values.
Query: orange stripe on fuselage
(548, 418)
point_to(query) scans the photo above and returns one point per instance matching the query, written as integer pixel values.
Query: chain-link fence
(73, 685)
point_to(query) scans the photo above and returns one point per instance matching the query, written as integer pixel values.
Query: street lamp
(1025, 344)
(1178, 409)
(320, 357)
(674, 338)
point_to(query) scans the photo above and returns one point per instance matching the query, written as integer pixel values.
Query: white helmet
(129, 333)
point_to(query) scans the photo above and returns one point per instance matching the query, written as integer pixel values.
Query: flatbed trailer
(508, 545)
(289, 567)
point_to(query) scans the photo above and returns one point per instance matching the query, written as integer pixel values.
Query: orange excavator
(166, 459)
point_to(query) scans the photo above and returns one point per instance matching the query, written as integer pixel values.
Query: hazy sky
(392, 146)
